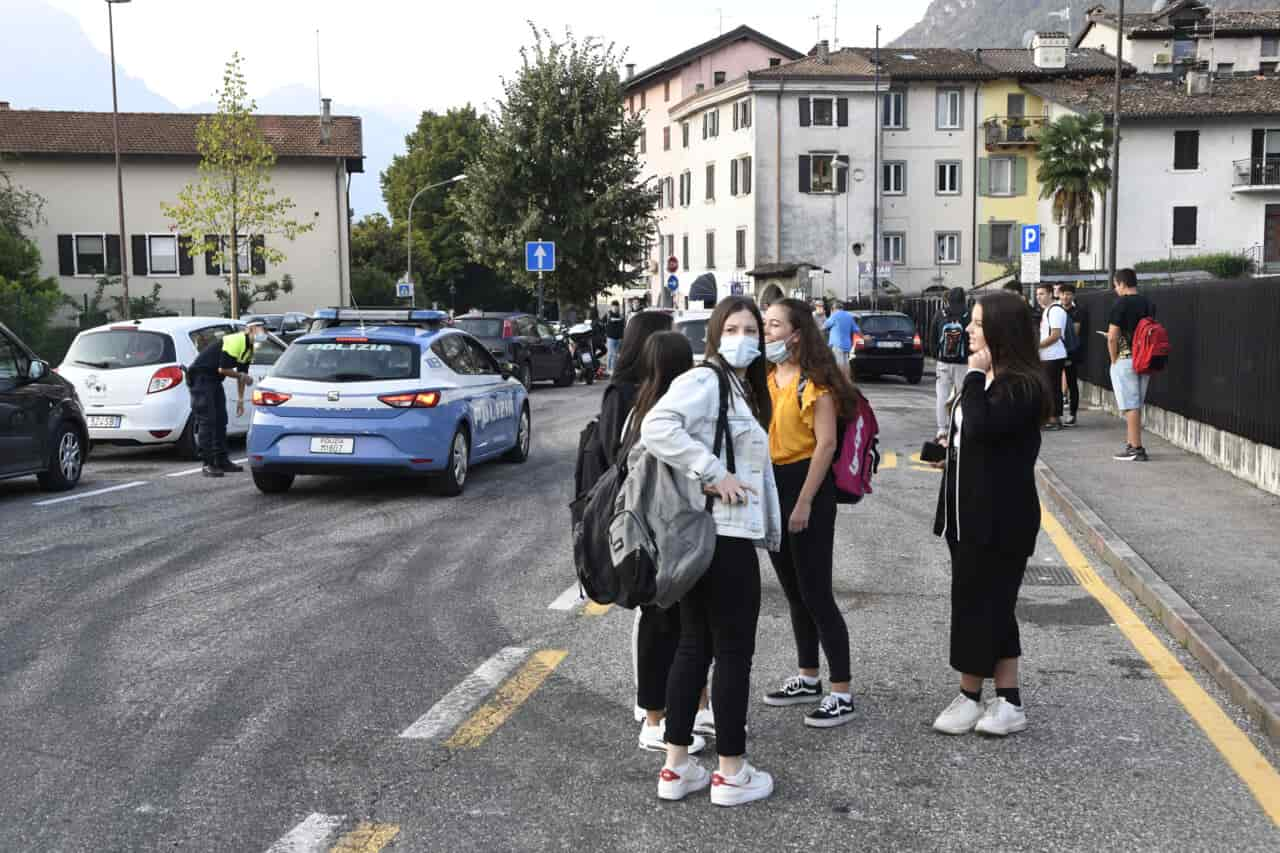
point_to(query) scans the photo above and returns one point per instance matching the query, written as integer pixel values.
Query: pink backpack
(857, 451)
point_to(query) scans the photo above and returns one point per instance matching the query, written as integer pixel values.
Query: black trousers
(657, 638)
(803, 567)
(1053, 370)
(984, 593)
(209, 406)
(1073, 381)
(717, 622)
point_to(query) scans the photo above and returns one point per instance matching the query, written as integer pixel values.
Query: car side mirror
(37, 370)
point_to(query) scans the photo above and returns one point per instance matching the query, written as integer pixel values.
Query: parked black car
(42, 426)
(524, 341)
(287, 327)
(887, 345)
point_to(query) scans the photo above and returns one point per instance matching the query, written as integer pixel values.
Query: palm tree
(1073, 166)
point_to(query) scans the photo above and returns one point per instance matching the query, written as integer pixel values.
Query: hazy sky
(405, 56)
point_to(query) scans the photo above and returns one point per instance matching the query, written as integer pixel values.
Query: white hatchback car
(693, 325)
(131, 379)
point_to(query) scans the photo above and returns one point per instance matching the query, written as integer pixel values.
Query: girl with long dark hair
(620, 395)
(809, 392)
(989, 510)
(718, 617)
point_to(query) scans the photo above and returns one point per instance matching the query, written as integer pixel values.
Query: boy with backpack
(1073, 339)
(1131, 333)
(950, 337)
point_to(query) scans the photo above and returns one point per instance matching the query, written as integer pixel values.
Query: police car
(395, 399)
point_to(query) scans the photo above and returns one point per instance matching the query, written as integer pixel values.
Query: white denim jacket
(681, 429)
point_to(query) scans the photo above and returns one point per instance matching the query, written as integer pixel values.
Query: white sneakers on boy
(960, 716)
(1002, 718)
(678, 783)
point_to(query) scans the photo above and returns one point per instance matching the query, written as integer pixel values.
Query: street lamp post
(115, 138)
(408, 240)
(851, 177)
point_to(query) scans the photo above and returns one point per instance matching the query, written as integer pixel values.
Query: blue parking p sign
(540, 256)
(1030, 239)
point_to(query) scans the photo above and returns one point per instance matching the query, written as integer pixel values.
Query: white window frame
(947, 93)
(991, 177)
(75, 254)
(887, 239)
(224, 249)
(830, 157)
(899, 113)
(951, 240)
(743, 111)
(889, 166)
(938, 188)
(713, 122)
(813, 106)
(744, 178)
(177, 255)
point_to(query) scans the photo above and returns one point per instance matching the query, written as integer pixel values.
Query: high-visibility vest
(237, 346)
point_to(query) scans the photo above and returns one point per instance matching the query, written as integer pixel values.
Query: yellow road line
(889, 460)
(367, 837)
(921, 465)
(1240, 753)
(593, 609)
(507, 700)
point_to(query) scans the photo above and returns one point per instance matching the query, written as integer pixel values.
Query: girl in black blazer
(989, 510)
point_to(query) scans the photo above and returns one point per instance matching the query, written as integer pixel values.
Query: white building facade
(1189, 33)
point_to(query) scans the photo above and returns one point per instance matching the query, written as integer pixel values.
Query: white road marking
(190, 471)
(447, 714)
(308, 836)
(78, 496)
(567, 600)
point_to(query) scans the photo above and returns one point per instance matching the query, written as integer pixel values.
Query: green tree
(234, 195)
(561, 164)
(375, 245)
(372, 286)
(252, 293)
(1073, 167)
(28, 303)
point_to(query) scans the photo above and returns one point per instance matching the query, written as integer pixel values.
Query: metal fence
(1224, 365)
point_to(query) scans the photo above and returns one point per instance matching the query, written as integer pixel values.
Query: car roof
(166, 324)
(880, 314)
(698, 314)
(492, 315)
(409, 334)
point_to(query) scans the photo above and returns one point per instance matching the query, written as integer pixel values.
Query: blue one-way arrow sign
(540, 256)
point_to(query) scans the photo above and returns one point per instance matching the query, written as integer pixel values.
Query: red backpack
(1150, 346)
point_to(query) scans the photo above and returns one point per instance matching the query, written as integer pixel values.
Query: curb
(1248, 687)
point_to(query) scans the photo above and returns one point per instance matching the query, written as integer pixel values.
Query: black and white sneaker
(834, 711)
(794, 692)
(1131, 454)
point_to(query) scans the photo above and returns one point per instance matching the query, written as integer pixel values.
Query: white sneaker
(680, 782)
(705, 723)
(639, 713)
(960, 717)
(750, 784)
(1002, 718)
(654, 738)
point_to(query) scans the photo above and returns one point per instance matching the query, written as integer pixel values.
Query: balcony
(1013, 131)
(1256, 174)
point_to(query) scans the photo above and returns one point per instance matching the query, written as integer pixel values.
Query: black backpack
(591, 463)
(953, 340)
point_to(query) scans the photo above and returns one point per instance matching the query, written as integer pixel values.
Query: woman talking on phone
(989, 510)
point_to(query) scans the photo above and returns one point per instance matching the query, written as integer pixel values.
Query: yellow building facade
(1011, 122)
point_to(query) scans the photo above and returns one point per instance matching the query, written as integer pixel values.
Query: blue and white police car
(393, 399)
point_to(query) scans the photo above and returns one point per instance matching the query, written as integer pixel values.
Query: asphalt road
(188, 664)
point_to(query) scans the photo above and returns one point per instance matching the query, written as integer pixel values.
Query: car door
(21, 424)
(471, 387)
(498, 395)
(547, 350)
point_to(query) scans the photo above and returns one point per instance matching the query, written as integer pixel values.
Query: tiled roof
(1155, 25)
(1021, 62)
(929, 63)
(164, 134)
(840, 63)
(1148, 97)
(681, 59)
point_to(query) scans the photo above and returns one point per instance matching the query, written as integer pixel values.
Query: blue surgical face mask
(739, 350)
(777, 352)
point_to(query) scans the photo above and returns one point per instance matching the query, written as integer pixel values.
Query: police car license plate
(890, 345)
(103, 421)
(327, 444)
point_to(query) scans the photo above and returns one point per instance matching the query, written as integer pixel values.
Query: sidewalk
(1210, 536)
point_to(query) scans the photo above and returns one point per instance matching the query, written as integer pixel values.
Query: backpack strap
(800, 386)
(723, 439)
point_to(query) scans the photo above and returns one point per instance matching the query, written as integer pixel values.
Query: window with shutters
(684, 252)
(742, 167)
(893, 247)
(711, 250)
(642, 99)
(775, 61)
(162, 254)
(895, 177)
(711, 124)
(893, 110)
(1186, 150)
(684, 134)
(1184, 226)
(669, 246)
(824, 112)
(90, 254)
(1270, 46)
(950, 109)
(686, 188)
(717, 78)
(711, 182)
(741, 115)
(740, 249)
(948, 248)
(822, 173)
(948, 180)
(1000, 174)
(1000, 248)
(666, 138)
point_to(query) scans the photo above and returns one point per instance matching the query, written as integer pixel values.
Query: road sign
(1030, 254)
(864, 269)
(540, 256)
(673, 283)
(673, 264)
(404, 290)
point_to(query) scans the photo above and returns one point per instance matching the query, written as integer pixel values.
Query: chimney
(631, 70)
(4, 106)
(1199, 83)
(326, 121)
(1049, 50)
(824, 52)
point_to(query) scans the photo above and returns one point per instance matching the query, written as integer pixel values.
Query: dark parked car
(419, 318)
(887, 345)
(42, 426)
(535, 352)
(287, 327)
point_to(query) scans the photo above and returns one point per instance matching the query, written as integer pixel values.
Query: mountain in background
(1003, 23)
(50, 64)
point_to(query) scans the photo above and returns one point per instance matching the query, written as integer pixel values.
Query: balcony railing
(1257, 172)
(1014, 131)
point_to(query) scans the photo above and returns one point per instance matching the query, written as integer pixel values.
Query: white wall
(1244, 52)
(80, 197)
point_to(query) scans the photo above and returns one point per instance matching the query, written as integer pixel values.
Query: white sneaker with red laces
(748, 785)
(679, 782)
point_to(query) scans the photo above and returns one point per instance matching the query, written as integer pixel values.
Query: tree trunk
(235, 254)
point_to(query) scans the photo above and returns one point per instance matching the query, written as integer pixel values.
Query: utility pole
(875, 186)
(1115, 149)
(115, 140)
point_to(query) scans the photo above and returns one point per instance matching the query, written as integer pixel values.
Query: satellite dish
(1159, 6)
(1027, 38)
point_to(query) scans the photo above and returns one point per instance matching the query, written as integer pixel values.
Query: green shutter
(984, 238)
(1019, 176)
(984, 176)
(1015, 240)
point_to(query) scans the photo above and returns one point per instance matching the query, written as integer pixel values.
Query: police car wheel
(455, 473)
(271, 483)
(520, 452)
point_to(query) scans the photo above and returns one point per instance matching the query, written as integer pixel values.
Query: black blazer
(988, 495)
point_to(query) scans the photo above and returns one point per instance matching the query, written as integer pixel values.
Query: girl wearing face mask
(809, 392)
(718, 617)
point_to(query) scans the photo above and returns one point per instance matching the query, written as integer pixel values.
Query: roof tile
(1149, 97)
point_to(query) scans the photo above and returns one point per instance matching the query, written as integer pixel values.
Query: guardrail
(1013, 131)
(1257, 172)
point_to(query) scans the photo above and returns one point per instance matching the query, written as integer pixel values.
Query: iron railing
(1014, 131)
(1257, 172)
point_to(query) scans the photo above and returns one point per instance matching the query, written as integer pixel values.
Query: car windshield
(118, 348)
(348, 361)
(696, 332)
(883, 324)
(481, 327)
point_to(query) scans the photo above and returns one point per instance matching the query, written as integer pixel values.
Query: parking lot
(186, 663)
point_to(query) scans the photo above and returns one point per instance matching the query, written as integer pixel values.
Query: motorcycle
(586, 363)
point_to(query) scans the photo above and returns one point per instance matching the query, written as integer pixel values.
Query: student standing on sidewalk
(808, 392)
(989, 510)
(615, 326)
(842, 326)
(1130, 388)
(1053, 353)
(718, 617)
(951, 354)
(1079, 318)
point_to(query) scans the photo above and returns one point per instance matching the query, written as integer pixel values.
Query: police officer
(227, 358)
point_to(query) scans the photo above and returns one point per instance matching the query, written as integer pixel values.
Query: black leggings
(717, 621)
(1053, 370)
(657, 638)
(1073, 383)
(803, 566)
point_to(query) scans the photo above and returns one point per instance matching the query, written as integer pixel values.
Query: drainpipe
(777, 154)
(973, 255)
(340, 209)
(347, 197)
